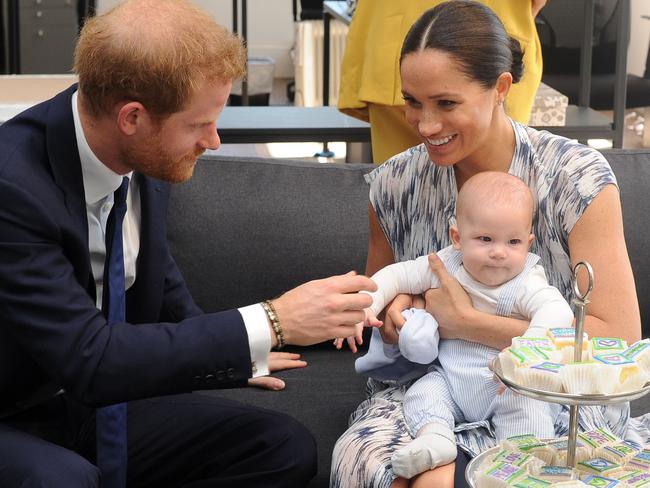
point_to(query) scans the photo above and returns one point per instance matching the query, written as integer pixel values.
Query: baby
(489, 257)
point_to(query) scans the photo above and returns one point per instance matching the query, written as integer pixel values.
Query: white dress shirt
(100, 183)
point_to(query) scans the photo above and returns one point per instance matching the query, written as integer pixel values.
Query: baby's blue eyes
(512, 242)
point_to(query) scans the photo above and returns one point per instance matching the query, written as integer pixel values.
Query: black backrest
(246, 229)
(559, 25)
(560, 28)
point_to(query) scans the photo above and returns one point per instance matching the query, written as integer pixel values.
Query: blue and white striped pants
(429, 400)
(462, 390)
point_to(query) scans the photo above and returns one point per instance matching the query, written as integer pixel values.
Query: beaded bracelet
(268, 307)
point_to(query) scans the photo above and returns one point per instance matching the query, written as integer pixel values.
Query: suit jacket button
(209, 378)
(197, 380)
(221, 375)
(230, 373)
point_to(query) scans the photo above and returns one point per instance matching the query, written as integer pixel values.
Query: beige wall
(32, 88)
(639, 38)
(270, 27)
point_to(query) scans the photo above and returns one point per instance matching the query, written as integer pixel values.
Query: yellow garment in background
(370, 66)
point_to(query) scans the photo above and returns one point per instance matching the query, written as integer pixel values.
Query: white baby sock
(434, 446)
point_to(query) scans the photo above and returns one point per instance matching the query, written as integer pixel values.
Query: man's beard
(154, 161)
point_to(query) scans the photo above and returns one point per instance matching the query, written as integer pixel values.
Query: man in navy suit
(153, 77)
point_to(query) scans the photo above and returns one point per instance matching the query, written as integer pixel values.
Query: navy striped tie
(111, 420)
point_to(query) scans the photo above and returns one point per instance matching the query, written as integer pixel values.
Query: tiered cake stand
(573, 401)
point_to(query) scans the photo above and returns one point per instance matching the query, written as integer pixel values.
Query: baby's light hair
(494, 187)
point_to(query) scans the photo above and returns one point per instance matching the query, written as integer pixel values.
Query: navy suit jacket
(51, 332)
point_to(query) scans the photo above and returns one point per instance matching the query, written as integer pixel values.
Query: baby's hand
(370, 321)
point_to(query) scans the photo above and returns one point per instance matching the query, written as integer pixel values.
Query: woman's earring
(500, 101)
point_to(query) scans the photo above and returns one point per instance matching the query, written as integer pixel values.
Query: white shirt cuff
(259, 337)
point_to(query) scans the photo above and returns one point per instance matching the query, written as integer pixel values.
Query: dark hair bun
(517, 68)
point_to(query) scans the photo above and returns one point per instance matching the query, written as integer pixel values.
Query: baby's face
(494, 241)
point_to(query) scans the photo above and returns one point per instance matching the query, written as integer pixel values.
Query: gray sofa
(245, 229)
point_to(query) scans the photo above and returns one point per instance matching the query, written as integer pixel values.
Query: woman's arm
(380, 254)
(597, 237)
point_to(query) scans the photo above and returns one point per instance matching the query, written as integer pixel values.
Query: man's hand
(449, 304)
(277, 361)
(324, 309)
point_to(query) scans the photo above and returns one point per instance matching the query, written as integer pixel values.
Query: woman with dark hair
(457, 64)
(370, 86)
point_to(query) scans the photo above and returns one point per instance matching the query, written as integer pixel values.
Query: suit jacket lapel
(142, 299)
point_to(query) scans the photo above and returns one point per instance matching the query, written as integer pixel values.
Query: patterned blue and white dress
(415, 201)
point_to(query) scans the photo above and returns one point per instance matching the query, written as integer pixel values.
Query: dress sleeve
(583, 173)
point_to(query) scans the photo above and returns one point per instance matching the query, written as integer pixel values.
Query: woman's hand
(278, 361)
(393, 318)
(449, 304)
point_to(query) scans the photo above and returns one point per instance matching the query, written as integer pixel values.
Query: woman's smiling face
(453, 115)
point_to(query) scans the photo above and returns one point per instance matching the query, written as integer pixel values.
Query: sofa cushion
(246, 229)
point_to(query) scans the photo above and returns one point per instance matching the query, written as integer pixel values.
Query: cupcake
(563, 339)
(520, 442)
(584, 378)
(555, 474)
(530, 481)
(542, 343)
(607, 345)
(517, 458)
(640, 352)
(500, 475)
(543, 376)
(569, 484)
(597, 438)
(626, 473)
(628, 377)
(529, 444)
(561, 446)
(641, 460)
(599, 466)
(601, 481)
(512, 358)
(638, 480)
(619, 453)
